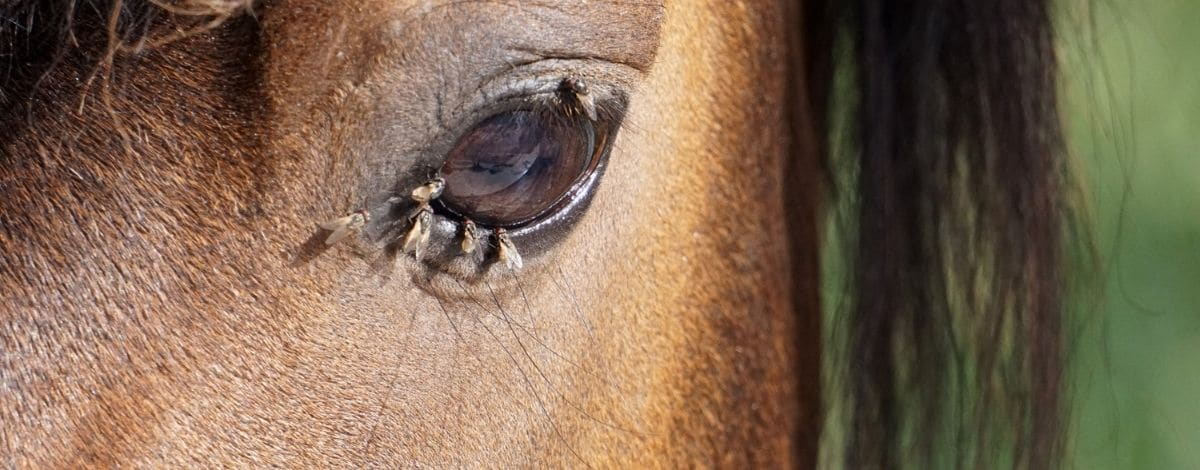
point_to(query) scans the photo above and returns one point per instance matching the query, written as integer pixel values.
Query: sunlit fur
(168, 302)
(160, 309)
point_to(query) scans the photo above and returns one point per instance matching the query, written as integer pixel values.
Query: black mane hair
(945, 145)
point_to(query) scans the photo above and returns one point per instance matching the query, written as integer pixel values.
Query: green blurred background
(1131, 83)
(1132, 70)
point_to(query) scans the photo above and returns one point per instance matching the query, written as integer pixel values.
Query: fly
(344, 226)
(579, 90)
(507, 251)
(470, 241)
(418, 235)
(429, 191)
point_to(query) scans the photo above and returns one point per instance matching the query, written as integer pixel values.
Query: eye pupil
(515, 166)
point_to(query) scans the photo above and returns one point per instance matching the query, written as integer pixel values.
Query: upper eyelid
(528, 83)
(532, 83)
(543, 78)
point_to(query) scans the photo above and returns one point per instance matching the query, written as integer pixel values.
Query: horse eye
(518, 166)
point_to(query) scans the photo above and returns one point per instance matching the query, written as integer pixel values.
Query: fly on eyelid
(344, 226)
(470, 241)
(418, 235)
(507, 252)
(429, 191)
(581, 93)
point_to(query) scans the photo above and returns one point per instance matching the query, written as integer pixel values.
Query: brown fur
(155, 313)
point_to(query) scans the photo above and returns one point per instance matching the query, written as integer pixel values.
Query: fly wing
(418, 235)
(510, 256)
(589, 106)
(338, 234)
(422, 194)
(422, 242)
(336, 223)
(428, 191)
(514, 260)
(476, 256)
(410, 239)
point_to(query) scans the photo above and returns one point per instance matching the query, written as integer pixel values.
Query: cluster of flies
(421, 221)
(421, 225)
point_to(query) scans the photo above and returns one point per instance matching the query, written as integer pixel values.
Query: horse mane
(946, 148)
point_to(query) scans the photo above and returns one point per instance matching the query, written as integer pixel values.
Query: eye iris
(514, 166)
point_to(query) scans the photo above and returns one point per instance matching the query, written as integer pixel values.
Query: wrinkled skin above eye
(514, 166)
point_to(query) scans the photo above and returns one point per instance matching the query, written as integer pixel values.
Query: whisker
(379, 415)
(462, 339)
(525, 298)
(525, 351)
(568, 293)
(539, 341)
(540, 372)
(463, 288)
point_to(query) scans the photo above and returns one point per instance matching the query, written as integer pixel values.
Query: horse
(538, 233)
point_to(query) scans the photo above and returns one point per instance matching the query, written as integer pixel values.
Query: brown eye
(516, 166)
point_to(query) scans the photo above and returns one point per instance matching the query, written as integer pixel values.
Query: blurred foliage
(1132, 83)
